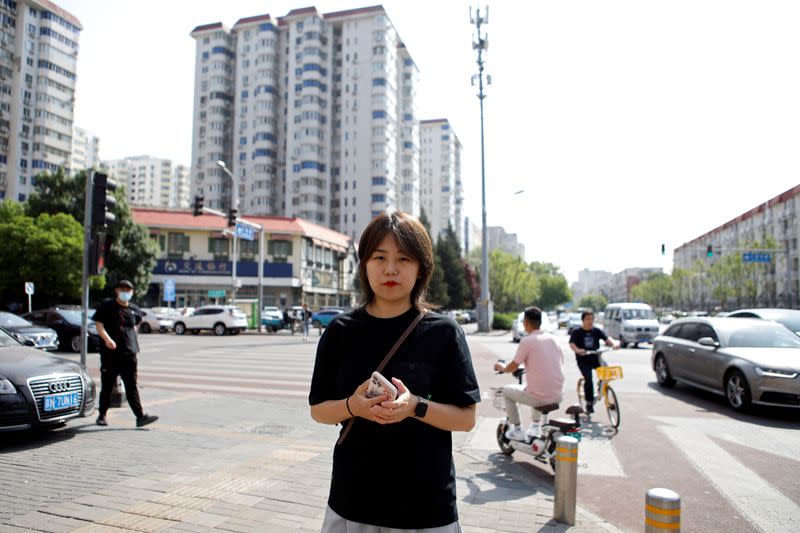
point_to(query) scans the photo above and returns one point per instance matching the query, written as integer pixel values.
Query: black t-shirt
(120, 323)
(396, 475)
(588, 340)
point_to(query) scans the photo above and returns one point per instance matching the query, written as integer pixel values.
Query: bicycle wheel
(612, 406)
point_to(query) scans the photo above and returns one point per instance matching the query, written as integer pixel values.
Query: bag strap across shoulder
(385, 361)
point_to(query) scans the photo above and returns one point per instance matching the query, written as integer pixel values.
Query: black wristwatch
(422, 407)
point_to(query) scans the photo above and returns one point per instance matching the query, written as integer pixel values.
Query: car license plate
(65, 400)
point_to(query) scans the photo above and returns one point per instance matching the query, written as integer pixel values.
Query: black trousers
(586, 363)
(124, 366)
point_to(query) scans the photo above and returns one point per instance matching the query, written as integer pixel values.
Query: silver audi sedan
(748, 361)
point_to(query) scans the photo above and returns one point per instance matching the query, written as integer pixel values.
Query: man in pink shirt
(544, 369)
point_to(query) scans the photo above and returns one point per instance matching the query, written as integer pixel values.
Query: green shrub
(503, 320)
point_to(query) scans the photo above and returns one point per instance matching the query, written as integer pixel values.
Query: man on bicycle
(544, 366)
(587, 339)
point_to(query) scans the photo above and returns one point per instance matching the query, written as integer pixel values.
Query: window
(376, 198)
(248, 250)
(218, 247)
(177, 244)
(378, 180)
(279, 249)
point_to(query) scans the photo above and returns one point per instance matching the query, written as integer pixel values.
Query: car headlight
(6, 387)
(630, 329)
(775, 373)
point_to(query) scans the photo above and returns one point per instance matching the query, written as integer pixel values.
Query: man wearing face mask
(116, 322)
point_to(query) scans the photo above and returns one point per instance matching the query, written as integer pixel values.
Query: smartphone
(378, 385)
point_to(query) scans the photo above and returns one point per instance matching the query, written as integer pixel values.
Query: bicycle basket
(607, 373)
(498, 400)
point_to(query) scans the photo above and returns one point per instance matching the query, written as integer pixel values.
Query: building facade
(591, 282)
(38, 60)
(304, 262)
(440, 177)
(312, 113)
(769, 229)
(498, 239)
(151, 181)
(85, 150)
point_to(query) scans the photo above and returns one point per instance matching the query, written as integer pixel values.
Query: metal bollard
(566, 480)
(662, 511)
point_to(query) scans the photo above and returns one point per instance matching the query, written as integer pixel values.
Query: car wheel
(145, 327)
(662, 372)
(179, 328)
(737, 391)
(316, 324)
(75, 343)
(219, 329)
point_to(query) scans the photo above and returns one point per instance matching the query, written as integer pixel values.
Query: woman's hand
(393, 411)
(361, 406)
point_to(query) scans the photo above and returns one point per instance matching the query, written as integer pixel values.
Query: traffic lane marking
(763, 505)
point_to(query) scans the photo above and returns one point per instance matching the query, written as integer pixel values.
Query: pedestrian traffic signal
(232, 217)
(710, 251)
(102, 200)
(98, 253)
(198, 205)
(663, 249)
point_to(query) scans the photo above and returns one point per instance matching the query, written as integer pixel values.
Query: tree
(553, 286)
(656, 290)
(47, 250)
(472, 282)
(448, 251)
(437, 288)
(512, 285)
(595, 302)
(132, 253)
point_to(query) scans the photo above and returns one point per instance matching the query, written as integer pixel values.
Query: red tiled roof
(172, 218)
(358, 11)
(302, 11)
(66, 15)
(250, 20)
(791, 193)
(205, 27)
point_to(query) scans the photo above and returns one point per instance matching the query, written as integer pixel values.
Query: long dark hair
(412, 239)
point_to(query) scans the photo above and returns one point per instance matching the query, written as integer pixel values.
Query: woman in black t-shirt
(395, 468)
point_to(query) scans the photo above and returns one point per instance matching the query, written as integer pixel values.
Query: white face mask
(125, 296)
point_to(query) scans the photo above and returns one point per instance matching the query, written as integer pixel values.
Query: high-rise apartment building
(312, 113)
(85, 150)
(151, 181)
(440, 177)
(38, 58)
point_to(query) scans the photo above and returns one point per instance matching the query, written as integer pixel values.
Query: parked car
(66, 321)
(42, 337)
(272, 318)
(40, 390)
(220, 319)
(563, 320)
(321, 319)
(788, 317)
(153, 321)
(518, 328)
(744, 359)
(574, 321)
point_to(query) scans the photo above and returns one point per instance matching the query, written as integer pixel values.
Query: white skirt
(336, 524)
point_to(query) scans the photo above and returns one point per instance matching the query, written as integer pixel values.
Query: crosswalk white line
(759, 501)
(225, 379)
(232, 389)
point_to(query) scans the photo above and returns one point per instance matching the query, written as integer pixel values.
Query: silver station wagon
(749, 361)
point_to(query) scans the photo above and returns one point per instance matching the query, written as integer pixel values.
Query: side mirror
(708, 341)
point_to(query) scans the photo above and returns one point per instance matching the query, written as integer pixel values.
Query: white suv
(217, 318)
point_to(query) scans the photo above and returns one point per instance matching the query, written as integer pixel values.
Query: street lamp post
(234, 205)
(480, 44)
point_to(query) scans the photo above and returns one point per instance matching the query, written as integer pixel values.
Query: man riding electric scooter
(544, 366)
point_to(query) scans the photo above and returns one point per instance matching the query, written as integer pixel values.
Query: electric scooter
(541, 446)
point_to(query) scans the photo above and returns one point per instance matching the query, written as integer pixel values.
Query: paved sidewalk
(214, 463)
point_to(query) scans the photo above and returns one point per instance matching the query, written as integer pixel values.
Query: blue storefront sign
(191, 267)
(169, 290)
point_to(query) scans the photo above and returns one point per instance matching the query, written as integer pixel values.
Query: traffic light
(232, 217)
(709, 251)
(98, 253)
(198, 205)
(102, 201)
(663, 249)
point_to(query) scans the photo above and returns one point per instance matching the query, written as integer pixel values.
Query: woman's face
(391, 273)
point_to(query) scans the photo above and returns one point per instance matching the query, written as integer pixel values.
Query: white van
(631, 323)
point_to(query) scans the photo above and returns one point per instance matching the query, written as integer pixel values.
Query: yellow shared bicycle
(605, 374)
